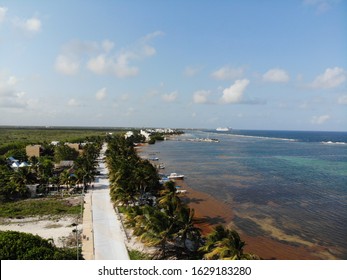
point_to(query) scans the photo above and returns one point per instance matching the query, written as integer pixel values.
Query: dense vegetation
(39, 207)
(14, 139)
(56, 186)
(25, 246)
(42, 173)
(156, 213)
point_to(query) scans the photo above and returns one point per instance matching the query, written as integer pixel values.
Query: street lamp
(76, 231)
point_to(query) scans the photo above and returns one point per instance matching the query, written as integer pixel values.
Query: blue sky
(189, 64)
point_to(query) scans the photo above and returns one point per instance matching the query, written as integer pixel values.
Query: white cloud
(119, 66)
(6, 89)
(227, 73)
(107, 45)
(12, 81)
(200, 96)
(10, 97)
(102, 59)
(276, 75)
(148, 50)
(3, 11)
(144, 48)
(97, 64)
(170, 97)
(78, 48)
(152, 35)
(321, 6)
(191, 71)
(66, 65)
(73, 103)
(332, 77)
(101, 94)
(31, 25)
(343, 100)
(320, 119)
(234, 93)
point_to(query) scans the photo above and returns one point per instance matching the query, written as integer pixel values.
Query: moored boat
(175, 176)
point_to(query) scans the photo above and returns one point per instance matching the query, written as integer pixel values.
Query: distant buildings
(128, 134)
(15, 163)
(33, 150)
(76, 146)
(147, 132)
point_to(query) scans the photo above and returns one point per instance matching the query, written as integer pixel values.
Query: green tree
(25, 246)
(188, 235)
(224, 244)
(10, 190)
(23, 176)
(64, 152)
(157, 230)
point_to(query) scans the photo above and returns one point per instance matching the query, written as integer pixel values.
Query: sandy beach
(57, 228)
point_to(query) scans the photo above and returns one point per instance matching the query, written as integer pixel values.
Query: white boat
(153, 158)
(181, 191)
(222, 129)
(175, 176)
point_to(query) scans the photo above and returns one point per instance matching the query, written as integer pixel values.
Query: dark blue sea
(287, 185)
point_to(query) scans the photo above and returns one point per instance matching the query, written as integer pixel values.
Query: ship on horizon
(222, 129)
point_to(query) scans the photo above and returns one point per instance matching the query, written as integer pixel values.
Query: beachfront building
(76, 146)
(128, 134)
(145, 134)
(33, 150)
(64, 164)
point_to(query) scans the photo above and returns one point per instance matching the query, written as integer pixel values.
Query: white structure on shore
(128, 134)
(145, 134)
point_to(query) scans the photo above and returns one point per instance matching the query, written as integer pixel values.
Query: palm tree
(169, 200)
(189, 236)
(224, 244)
(44, 169)
(23, 176)
(64, 178)
(157, 230)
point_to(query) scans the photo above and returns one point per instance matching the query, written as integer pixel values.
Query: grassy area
(40, 207)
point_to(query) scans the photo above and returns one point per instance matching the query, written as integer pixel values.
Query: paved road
(108, 235)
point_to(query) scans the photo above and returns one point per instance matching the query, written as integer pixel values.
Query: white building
(128, 134)
(145, 134)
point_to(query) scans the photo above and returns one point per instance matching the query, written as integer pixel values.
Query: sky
(244, 64)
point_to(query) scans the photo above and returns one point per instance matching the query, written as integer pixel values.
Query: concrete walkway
(102, 228)
(87, 231)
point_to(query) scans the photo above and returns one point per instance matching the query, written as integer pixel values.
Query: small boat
(154, 158)
(161, 166)
(181, 191)
(175, 176)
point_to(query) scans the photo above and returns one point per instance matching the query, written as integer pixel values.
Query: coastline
(271, 244)
(210, 212)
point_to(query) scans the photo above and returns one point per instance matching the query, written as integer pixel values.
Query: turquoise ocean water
(291, 186)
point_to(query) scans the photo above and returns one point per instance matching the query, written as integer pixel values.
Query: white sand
(45, 227)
